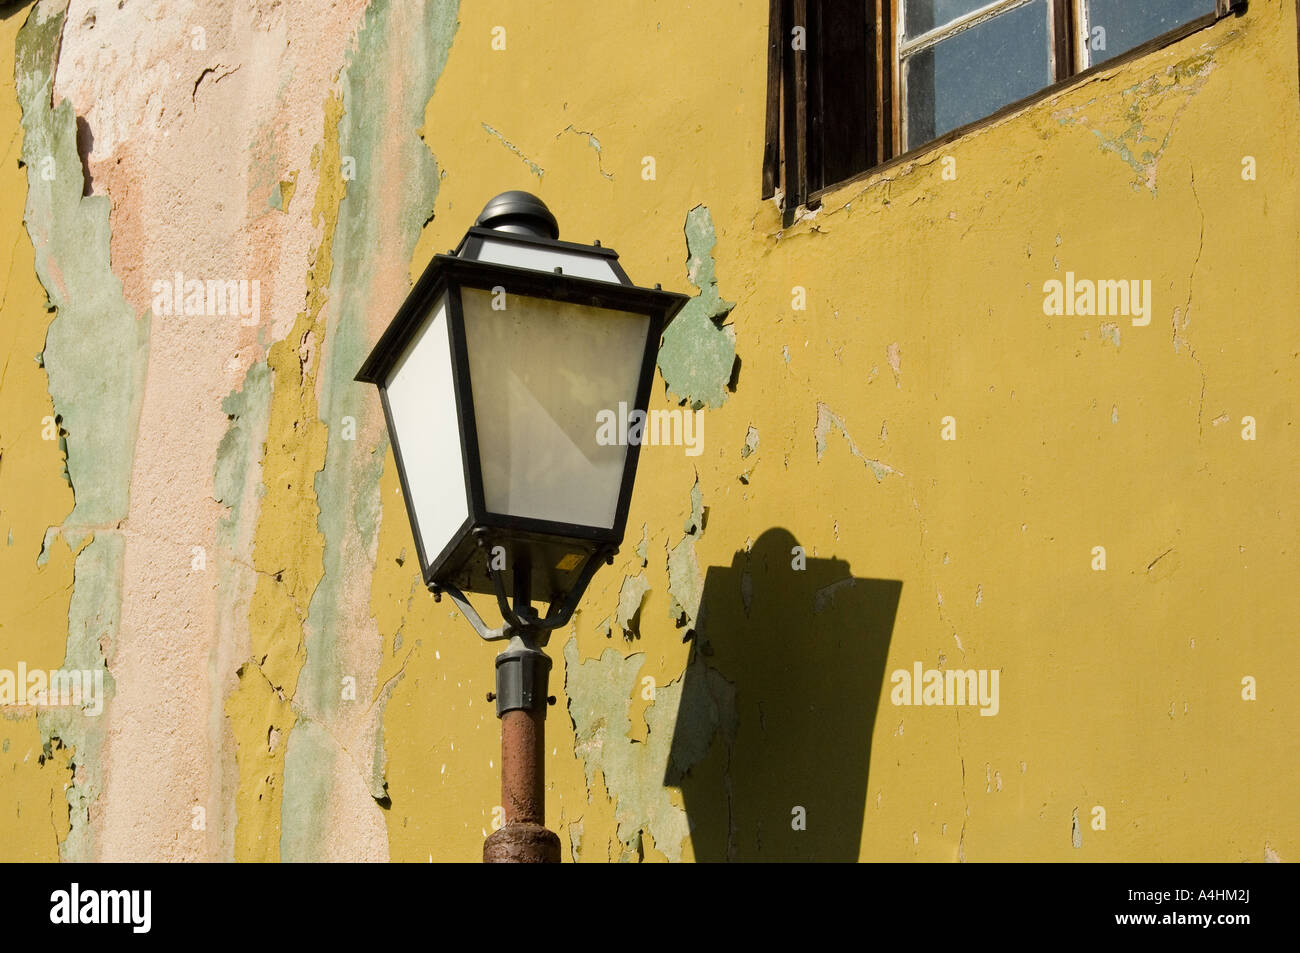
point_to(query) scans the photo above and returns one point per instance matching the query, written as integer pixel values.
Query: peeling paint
(826, 420)
(36, 768)
(685, 580)
(630, 599)
(288, 549)
(339, 632)
(699, 351)
(533, 167)
(634, 774)
(1151, 111)
(95, 355)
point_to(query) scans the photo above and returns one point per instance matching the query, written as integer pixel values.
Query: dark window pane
(922, 16)
(1116, 26)
(977, 72)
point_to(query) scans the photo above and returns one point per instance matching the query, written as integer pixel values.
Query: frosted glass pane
(422, 402)
(541, 372)
(976, 72)
(547, 259)
(1116, 26)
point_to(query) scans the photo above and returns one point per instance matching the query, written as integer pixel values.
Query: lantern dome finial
(521, 213)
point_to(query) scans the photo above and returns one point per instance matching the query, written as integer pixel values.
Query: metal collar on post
(523, 672)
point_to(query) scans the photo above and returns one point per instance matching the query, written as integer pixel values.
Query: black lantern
(494, 377)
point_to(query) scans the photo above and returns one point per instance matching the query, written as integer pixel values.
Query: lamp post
(492, 375)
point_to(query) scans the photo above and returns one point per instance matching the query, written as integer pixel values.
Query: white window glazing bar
(926, 40)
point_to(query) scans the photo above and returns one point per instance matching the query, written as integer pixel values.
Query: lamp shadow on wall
(772, 741)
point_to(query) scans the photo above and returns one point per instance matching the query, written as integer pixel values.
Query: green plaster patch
(309, 766)
(700, 716)
(699, 351)
(248, 409)
(94, 621)
(642, 548)
(600, 692)
(1149, 111)
(238, 462)
(96, 350)
(677, 739)
(95, 356)
(575, 836)
(630, 599)
(282, 193)
(685, 580)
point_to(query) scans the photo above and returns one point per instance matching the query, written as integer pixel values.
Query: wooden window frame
(790, 151)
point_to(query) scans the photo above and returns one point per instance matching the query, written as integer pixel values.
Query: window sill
(1047, 92)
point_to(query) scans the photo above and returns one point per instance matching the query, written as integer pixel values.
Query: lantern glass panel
(542, 372)
(519, 255)
(422, 402)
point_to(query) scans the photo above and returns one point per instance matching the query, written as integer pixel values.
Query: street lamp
(492, 376)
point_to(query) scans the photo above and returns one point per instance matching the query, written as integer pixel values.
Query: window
(855, 83)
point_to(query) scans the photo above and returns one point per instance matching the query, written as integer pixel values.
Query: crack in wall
(533, 167)
(1182, 316)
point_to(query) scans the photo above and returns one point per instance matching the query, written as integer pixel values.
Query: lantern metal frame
(540, 544)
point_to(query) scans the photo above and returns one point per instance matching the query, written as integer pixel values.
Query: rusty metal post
(522, 675)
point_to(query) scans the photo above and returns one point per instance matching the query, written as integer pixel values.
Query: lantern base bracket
(470, 613)
(522, 618)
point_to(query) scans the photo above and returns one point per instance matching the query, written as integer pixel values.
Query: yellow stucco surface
(908, 308)
(1120, 689)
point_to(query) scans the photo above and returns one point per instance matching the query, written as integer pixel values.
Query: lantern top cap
(521, 213)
